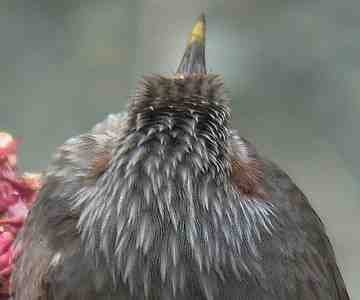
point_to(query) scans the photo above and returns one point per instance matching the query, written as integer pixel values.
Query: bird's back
(266, 245)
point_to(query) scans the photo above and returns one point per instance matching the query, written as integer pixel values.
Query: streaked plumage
(167, 202)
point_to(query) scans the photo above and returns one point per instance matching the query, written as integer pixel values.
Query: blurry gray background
(292, 69)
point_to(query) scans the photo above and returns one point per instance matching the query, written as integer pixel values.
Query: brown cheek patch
(248, 178)
(99, 165)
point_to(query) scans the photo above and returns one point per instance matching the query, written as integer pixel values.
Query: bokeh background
(292, 70)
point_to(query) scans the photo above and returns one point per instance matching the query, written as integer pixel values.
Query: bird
(166, 201)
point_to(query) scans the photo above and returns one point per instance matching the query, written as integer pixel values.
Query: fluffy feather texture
(167, 202)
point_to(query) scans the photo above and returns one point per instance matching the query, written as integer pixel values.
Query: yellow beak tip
(193, 60)
(198, 31)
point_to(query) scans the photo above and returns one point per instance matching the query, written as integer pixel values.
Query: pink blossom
(17, 194)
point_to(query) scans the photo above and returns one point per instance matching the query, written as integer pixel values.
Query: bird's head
(190, 92)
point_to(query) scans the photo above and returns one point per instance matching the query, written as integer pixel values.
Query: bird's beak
(193, 61)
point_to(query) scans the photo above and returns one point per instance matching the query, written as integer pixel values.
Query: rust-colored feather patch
(248, 177)
(99, 164)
